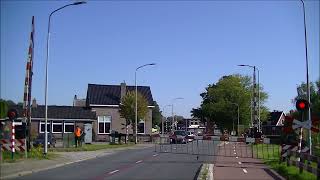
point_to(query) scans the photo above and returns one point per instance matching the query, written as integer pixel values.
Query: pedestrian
(77, 135)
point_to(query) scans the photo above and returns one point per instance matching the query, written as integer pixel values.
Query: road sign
(305, 124)
(299, 124)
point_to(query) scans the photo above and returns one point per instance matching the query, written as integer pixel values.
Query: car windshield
(181, 133)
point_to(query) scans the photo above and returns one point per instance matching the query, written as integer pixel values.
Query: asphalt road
(181, 163)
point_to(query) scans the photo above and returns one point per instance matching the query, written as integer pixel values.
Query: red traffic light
(12, 114)
(302, 105)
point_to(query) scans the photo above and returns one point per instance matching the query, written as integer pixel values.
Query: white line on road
(234, 150)
(234, 153)
(237, 157)
(113, 171)
(155, 155)
(239, 162)
(245, 171)
(139, 161)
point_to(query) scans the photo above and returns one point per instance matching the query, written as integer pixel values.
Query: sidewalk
(28, 166)
(242, 168)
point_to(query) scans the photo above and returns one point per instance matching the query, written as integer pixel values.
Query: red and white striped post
(12, 139)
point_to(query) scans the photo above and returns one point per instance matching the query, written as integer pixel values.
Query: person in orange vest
(77, 134)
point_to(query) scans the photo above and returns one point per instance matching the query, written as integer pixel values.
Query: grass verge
(272, 160)
(91, 147)
(34, 153)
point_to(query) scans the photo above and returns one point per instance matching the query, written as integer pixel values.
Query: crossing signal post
(12, 115)
(302, 105)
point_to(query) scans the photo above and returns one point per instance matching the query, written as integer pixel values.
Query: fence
(216, 146)
(298, 159)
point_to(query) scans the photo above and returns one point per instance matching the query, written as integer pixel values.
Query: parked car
(39, 141)
(178, 136)
(190, 136)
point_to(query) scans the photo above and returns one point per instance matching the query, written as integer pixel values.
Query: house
(104, 100)
(100, 109)
(272, 127)
(61, 119)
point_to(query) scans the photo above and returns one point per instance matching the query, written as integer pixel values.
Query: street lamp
(238, 119)
(136, 106)
(254, 95)
(162, 118)
(46, 81)
(172, 111)
(307, 73)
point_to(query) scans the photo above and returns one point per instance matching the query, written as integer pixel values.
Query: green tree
(218, 102)
(156, 115)
(127, 108)
(3, 108)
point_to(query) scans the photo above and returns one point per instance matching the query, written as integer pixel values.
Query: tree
(156, 115)
(218, 100)
(3, 108)
(127, 108)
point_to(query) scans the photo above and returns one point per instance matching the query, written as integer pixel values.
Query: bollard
(288, 158)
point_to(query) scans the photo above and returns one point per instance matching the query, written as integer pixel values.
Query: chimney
(34, 103)
(123, 89)
(74, 100)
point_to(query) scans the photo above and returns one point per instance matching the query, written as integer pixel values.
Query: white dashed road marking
(234, 153)
(237, 157)
(113, 171)
(155, 155)
(138, 161)
(239, 162)
(245, 171)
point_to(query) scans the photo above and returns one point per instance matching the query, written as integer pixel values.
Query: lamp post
(136, 104)
(46, 80)
(162, 118)
(238, 118)
(172, 111)
(254, 123)
(307, 73)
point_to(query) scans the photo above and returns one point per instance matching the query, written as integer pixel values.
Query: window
(42, 127)
(141, 127)
(104, 124)
(56, 127)
(68, 127)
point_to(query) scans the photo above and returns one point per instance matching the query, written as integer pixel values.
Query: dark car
(179, 137)
(39, 141)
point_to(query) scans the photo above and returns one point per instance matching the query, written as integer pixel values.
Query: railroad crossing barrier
(19, 145)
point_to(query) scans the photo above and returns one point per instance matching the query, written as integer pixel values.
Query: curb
(205, 172)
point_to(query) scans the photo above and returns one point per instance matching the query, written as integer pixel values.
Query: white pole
(136, 107)
(259, 126)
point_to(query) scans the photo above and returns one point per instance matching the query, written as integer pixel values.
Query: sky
(193, 43)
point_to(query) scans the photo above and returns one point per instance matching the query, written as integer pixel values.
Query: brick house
(104, 100)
